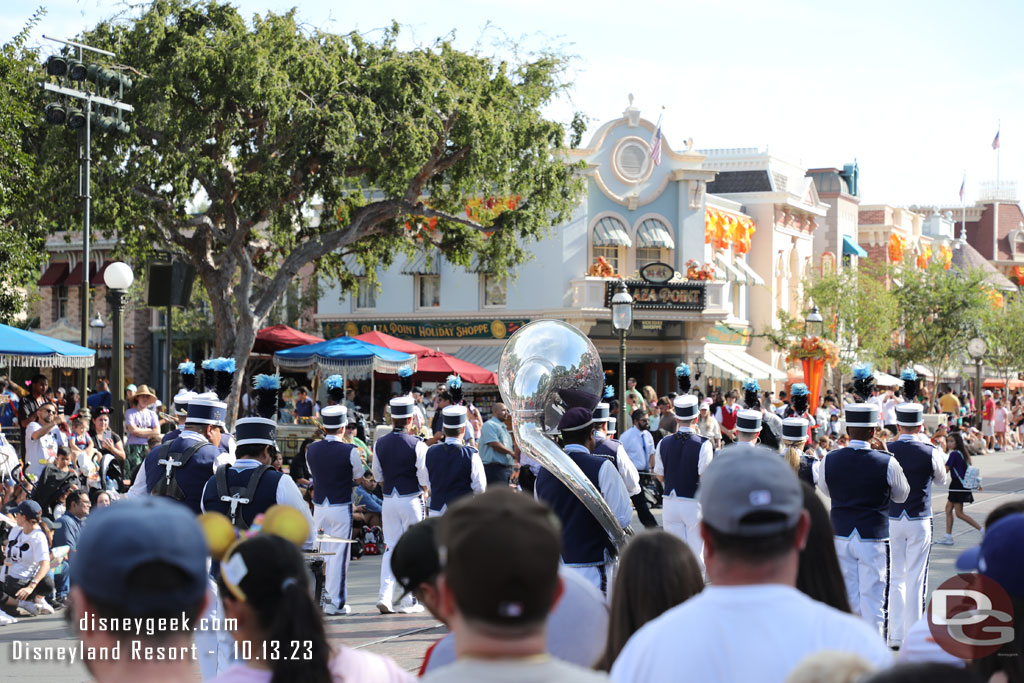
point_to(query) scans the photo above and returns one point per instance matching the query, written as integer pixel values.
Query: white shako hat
(601, 412)
(206, 409)
(910, 415)
(748, 421)
(611, 424)
(794, 429)
(181, 400)
(258, 430)
(453, 417)
(685, 407)
(401, 407)
(862, 415)
(334, 417)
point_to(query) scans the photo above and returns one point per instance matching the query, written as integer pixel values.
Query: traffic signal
(56, 114)
(56, 66)
(76, 118)
(105, 78)
(76, 70)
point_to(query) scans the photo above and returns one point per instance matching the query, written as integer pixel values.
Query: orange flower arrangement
(946, 256)
(897, 243)
(813, 347)
(924, 257)
(695, 271)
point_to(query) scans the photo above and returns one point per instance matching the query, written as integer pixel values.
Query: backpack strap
(238, 497)
(171, 461)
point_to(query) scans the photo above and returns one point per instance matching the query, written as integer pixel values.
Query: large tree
(22, 235)
(1002, 327)
(305, 147)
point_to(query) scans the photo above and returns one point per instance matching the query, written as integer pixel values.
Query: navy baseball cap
(122, 537)
(29, 508)
(1000, 555)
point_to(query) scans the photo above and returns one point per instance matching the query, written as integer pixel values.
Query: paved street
(406, 637)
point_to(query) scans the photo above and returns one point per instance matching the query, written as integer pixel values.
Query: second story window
(62, 303)
(428, 291)
(367, 297)
(609, 238)
(654, 243)
(495, 290)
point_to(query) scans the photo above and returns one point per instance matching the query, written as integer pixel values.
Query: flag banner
(962, 184)
(656, 145)
(995, 141)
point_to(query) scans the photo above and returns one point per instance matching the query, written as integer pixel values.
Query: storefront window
(610, 254)
(495, 290)
(428, 291)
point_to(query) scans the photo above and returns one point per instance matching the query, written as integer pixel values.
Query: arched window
(654, 242)
(609, 239)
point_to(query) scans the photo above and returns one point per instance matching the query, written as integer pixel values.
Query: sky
(914, 91)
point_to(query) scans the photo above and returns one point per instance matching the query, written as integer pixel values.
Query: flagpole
(963, 208)
(999, 151)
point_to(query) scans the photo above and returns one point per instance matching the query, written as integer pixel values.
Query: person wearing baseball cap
(706, 425)
(335, 466)
(741, 626)
(453, 468)
(400, 465)
(499, 554)
(180, 469)
(679, 462)
(608, 447)
(861, 482)
(586, 547)
(910, 522)
(27, 561)
(141, 559)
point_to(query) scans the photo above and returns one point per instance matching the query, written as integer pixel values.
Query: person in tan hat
(140, 424)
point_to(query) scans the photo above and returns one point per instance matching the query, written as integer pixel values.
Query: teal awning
(654, 233)
(611, 232)
(851, 248)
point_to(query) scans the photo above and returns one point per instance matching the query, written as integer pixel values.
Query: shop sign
(722, 334)
(657, 273)
(432, 329)
(678, 296)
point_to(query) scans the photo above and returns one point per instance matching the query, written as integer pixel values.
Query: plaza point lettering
(686, 296)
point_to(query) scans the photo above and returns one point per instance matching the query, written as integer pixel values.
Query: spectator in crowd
(55, 481)
(726, 417)
(650, 398)
(1000, 420)
(99, 498)
(273, 605)
(349, 436)
(27, 562)
(368, 506)
(665, 419)
(66, 534)
(304, 406)
(638, 398)
(99, 398)
(706, 426)
(750, 623)
(956, 464)
(30, 404)
(638, 442)
(819, 575)
(141, 424)
(8, 405)
(657, 571)
(42, 437)
(112, 456)
(988, 412)
(949, 404)
(497, 448)
(499, 582)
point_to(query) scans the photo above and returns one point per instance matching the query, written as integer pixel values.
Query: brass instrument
(538, 360)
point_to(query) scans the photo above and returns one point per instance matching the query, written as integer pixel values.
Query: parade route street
(406, 637)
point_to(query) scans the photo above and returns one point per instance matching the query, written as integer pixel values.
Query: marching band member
(187, 372)
(454, 469)
(399, 464)
(771, 423)
(794, 436)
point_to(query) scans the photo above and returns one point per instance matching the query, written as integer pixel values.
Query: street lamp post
(97, 324)
(118, 277)
(976, 348)
(814, 324)
(622, 320)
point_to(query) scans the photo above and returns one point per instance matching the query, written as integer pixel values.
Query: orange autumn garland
(897, 243)
(924, 257)
(946, 256)
(722, 230)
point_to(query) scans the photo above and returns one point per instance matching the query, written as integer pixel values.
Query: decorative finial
(631, 99)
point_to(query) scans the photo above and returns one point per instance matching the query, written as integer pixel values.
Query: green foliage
(939, 312)
(1003, 331)
(21, 241)
(305, 146)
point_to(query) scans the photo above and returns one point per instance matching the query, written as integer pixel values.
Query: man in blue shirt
(67, 532)
(497, 448)
(101, 397)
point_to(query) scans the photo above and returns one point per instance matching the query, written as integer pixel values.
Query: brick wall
(873, 217)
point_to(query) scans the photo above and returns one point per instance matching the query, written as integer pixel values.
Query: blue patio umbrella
(29, 349)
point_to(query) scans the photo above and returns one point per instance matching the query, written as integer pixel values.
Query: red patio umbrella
(432, 366)
(397, 344)
(278, 337)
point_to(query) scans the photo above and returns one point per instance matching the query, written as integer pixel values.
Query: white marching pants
(681, 517)
(397, 515)
(865, 568)
(335, 520)
(910, 541)
(600, 576)
(214, 647)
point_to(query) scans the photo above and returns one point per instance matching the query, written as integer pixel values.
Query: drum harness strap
(238, 496)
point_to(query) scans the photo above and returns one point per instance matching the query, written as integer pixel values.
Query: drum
(316, 566)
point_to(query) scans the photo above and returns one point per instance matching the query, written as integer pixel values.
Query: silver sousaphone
(538, 360)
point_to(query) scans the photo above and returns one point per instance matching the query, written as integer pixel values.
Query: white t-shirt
(537, 669)
(25, 552)
(44, 448)
(743, 633)
(919, 646)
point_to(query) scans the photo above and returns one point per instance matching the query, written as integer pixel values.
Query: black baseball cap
(414, 559)
(500, 553)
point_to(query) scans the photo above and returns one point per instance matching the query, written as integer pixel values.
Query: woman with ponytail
(280, 635)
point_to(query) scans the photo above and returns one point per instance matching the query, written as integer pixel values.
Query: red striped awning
(74, 278)
(55, 275)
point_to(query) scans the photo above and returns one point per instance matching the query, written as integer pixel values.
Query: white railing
(1003, 191)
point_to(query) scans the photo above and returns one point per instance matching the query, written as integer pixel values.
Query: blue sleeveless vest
(265, 498)
(330, 463)
(171, 435)
(857, 482)
(805, 471)
(450, 469)
(191, 477)
(396, 453)
(608, 448)
(584, 540)
(680, 455)
(916, 460)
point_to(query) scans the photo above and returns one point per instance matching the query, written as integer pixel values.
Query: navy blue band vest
(396, 454)
(916, 460)
(805, 470)
(264, 498)
(857, 482)
(191, 477)
(680, 454)
(171, 435)
(330, 463)
(451, 473)
(584, 540)
(608, 448)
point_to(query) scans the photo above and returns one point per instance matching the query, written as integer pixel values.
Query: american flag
(995, 141)
(963, 183)
(656, 145)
